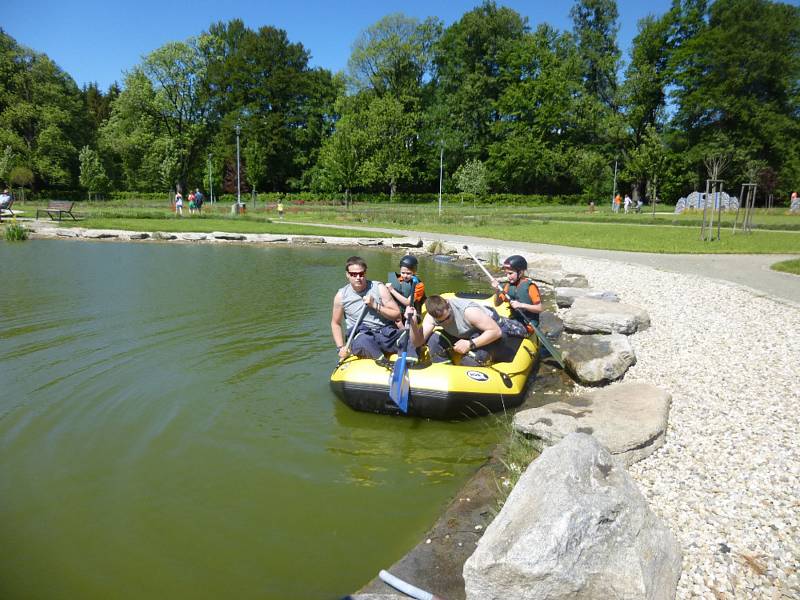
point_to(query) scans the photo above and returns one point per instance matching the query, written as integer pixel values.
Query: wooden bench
(57, 208)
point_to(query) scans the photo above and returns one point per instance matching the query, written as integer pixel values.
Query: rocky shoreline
(727, 480)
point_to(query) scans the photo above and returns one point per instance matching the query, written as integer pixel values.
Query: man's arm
(490, 331)
(336, 323)
(389, 309)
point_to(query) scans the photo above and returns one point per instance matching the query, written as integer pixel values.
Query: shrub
(16, 232)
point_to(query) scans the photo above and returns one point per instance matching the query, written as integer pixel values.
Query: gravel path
(727, 480)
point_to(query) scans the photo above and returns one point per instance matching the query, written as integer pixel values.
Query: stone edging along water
(727, 479)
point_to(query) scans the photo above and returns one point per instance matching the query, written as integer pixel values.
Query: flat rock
(575, 280)
(73, 233)
(164, 235)
(407, 243)
(194, 237)
(308, 239)
(268, 238)
(589, 315)
(138, 235)
(230, 237)
(370, 242)
(575, 527)
(565, 296)
(629, 419)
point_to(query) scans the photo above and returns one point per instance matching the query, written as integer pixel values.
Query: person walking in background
(198, 200)
(280, 208)
(628, 202)
(179, 204)
(192, 205)
(615, 204)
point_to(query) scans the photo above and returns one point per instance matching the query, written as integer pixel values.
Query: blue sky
(98, 41)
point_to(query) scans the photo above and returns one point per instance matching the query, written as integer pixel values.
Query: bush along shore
(672, 464)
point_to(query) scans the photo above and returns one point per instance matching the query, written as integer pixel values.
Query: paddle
(399, 385)
(531, 326)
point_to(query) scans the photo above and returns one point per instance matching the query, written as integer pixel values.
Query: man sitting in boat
(522, 293)
(475, 334)
(376, 333)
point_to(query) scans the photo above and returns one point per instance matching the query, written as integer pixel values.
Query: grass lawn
(788, 266)
(608, 236)
(776, 230)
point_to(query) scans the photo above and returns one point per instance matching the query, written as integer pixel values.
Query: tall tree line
(539, 111)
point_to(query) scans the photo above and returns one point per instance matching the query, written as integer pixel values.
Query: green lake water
(167, 429)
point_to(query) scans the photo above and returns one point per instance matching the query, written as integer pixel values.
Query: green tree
(537, 113)
(471, 178)
(6, 161)
(737, 74)
(93, 176)
(469, 59)
(161, 115)
(263, 81)
(41, 114)
(395, 55)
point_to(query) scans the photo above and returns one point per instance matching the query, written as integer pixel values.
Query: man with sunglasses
(377, 332)
(473, 332)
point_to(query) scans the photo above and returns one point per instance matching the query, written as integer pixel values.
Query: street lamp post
(238, 180)
(441, 165)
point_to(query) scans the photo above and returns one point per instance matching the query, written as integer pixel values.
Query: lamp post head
(238, 129)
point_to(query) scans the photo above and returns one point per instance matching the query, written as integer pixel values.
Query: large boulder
(589, 315)
(597, 359)
(566, 296)
(574, 527)
(629, 419)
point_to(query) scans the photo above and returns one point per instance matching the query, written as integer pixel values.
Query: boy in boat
(401, 284)
(522, 293)
(476, 334)
(377, 332)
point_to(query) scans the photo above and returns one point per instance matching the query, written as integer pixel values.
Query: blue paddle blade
(399, 386)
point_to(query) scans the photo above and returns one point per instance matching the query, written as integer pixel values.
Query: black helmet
(409, 262)
(515, 262)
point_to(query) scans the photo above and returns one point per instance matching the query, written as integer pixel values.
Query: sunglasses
(441, 320)
(357, 273)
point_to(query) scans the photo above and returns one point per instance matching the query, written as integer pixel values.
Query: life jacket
(404, 289)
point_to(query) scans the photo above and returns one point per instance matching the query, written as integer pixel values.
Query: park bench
(57, 208)
(7, 208)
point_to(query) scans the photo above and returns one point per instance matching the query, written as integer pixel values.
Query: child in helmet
(522, 293)
(401, 284)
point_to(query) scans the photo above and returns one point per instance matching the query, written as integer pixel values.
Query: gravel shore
(727, 482)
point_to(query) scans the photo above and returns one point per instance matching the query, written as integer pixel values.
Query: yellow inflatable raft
(439, 390)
